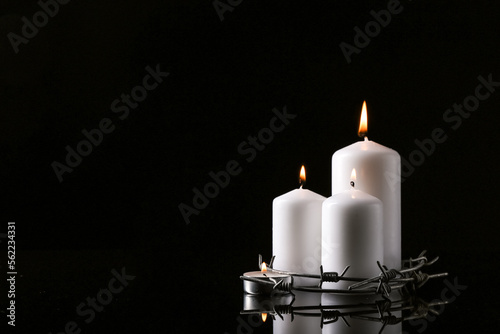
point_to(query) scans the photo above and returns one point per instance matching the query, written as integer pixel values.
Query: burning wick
(302, 178)
(363, 122)
(353, 177)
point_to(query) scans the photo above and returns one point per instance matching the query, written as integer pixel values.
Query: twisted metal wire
(387, 281)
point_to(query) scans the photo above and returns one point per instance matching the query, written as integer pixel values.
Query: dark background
(119, 207)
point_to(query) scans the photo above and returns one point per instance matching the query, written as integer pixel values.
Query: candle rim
(367, 147)
(299, 195)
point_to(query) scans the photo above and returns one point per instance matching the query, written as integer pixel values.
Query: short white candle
(297, 232)
(379, 170)
(263, 275)
(352, 235)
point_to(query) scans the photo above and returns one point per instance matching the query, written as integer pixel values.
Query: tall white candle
(379, 170)
(297, 231)
(352, 234)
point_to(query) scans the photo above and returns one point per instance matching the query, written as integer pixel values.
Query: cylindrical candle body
(352, 235)
(378, 171)
(297, 231)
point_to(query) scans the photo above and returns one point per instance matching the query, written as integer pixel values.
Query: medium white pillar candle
(297, 232)
(352, 235)
(379, 170)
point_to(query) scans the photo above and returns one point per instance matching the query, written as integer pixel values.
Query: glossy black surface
(119, 208)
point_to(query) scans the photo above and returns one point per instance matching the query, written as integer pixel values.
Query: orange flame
(264, 317)
(302, 174)
(353, 178)
(363, 122)
(263, 267)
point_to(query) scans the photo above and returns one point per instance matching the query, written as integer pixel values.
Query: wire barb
(331, 276)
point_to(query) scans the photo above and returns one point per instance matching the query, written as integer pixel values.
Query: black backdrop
(119, 207)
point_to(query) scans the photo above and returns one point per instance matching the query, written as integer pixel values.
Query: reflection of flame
(303, 174)
(264, 317)
(363, 122)
(263, 267)
(353, 174)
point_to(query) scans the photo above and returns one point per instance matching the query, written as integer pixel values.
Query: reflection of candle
(306, 322)
(264, 275)
(352, 234)
(297, 230)
(266, 303)
(357, 324)
(378, 169)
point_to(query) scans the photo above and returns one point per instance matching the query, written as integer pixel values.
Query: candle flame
(363, 122)
(264, 317)
(353, 178)
(302, 176)
(263, 267)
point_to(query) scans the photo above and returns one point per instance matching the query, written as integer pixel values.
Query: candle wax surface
(378, 170)
(260, 274)
(352, 235)
(297, 231)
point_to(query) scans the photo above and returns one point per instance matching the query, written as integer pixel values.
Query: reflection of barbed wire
(377, 311)
(417, 308)
(410, 277)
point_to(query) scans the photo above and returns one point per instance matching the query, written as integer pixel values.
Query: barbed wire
(410, 276)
